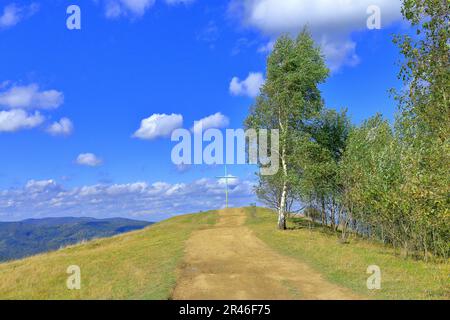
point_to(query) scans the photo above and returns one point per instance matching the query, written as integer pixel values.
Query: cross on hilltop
(226, 177)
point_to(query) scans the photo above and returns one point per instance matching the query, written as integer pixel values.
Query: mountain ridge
(28, 237)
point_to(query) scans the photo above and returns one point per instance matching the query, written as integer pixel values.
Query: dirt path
(228, 261)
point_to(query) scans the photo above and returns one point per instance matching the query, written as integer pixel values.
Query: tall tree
(288, 100)
(371, 180)
(426, 67)
(319, 159)
(423, 128)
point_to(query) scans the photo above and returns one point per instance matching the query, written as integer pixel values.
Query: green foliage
(289, 99)
(397, 181)
(318, 158)
(370, 173)
(425, 70)
(423, 127)
(389, 183)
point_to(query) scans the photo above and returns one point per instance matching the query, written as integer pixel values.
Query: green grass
(136, 265)
(346, 264)
(143, 264)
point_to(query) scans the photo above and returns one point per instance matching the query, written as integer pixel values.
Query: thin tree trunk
(324, 213)
(334, 225)
(281, 220)
(283, 200)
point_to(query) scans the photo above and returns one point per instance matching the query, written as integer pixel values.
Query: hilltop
(236, 253)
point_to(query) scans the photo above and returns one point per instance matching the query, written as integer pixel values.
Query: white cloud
(158, 125)
(63, 127)
(134, 8)
(13, 14)
(133, 200)
(118, 189)
(248, 87)
(331, 21)
(342, 53)
(232, 181)
(20, 99)
(88, 159)
(30, 97)
(268, 47)
(15, 120)
(215, 121)
(42, 185)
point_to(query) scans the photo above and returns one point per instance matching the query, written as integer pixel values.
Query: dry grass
(346, 264)
(137, 265)
(143, 264)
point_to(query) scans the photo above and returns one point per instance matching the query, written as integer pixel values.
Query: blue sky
(71, 101)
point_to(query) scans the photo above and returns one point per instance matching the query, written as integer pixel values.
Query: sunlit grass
(137, 265)
(143, 264)
(346, 264)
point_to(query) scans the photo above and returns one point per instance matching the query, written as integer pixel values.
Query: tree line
(390, 183)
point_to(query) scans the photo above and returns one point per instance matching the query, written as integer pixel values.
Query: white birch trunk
(283, 200)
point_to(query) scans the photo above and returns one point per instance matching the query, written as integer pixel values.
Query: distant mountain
(33, 236)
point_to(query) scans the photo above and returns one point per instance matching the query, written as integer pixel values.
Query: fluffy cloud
(63, 127)
(12, 14)
(331, 21)
(231, 181)
(248, 87)
(30, 97)
(33, 186)
(88, 159)
(158, 125)
(139, 200)
(18, 100)
(134, 8)
(215, 121)
(15, 120)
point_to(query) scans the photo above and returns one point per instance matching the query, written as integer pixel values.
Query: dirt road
(228, 261)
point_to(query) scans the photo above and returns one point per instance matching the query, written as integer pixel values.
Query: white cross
(226, 178)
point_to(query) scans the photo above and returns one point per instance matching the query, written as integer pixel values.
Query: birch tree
(289, 99)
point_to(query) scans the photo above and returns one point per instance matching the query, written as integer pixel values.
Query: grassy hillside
(136, 265)
(30, 237)
(346, 264)
(143, 264)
